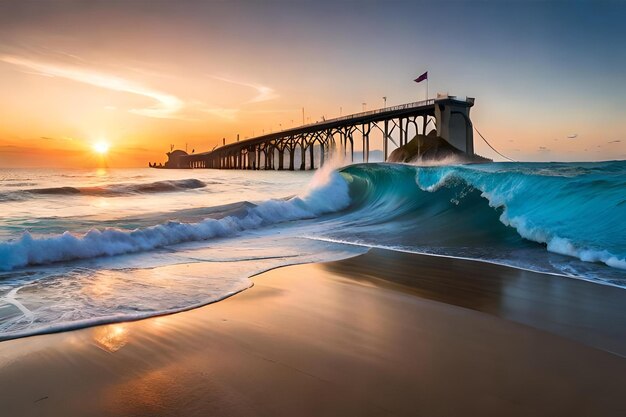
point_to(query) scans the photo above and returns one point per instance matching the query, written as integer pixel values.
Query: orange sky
(143, 75)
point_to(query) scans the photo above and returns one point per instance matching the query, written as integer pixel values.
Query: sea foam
(572, 211)
(327, 193)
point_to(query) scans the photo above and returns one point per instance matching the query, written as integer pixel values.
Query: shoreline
(103, 321)
(487, 261)
(383, 333)
(108, 320)
(524, 300)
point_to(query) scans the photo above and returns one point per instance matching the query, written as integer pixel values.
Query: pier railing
(406, 106)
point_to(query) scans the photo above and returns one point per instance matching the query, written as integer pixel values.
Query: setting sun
(101, 147)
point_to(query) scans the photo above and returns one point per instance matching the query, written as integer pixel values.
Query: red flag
(422, 77)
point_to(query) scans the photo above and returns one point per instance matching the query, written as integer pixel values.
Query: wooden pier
(314, 143)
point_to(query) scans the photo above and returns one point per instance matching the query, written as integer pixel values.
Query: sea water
(82, 247)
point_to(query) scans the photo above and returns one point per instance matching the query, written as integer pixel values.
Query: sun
(101, 147)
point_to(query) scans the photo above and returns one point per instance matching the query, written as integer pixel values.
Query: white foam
(327, 193)
(565, 247)
(560, 245)
(554, 243)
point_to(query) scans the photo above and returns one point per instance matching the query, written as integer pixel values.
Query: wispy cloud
(167, 105)
(270, 111)
(263, 93)
(34, 150)
(62, 138)
(224, 113)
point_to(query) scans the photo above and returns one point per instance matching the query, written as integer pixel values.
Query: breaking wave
(329, 195)
(572, 209)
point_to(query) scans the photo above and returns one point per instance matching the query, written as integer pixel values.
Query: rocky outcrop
(432, 149)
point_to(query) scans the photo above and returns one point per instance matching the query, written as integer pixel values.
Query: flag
(422, 77)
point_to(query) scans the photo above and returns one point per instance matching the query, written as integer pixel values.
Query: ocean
(85, 247)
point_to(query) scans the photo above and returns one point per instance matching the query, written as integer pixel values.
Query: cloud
(269, 111)
(51, 138)
(264, 93)
(572, 136)
(166, 106)
(543, 149)
(615, 141)
(227, 114)
(32, 150)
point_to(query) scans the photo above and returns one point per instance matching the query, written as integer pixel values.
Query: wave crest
(329, 196)
(574, 211)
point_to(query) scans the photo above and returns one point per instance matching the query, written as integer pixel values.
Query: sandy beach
(382, 334)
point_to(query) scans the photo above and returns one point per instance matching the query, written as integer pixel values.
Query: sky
(549, 78)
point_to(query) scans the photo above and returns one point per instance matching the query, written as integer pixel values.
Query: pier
(308, 146)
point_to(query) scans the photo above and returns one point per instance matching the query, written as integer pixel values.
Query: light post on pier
(364, 106)
(385, 102)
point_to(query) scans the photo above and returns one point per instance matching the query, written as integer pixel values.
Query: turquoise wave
(574, 209)
(501, 212)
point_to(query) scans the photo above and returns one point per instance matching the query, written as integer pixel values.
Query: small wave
(54, 190)
(21, 184)
(111, 190)
(155, 187)
(327, 195)
(11, 196)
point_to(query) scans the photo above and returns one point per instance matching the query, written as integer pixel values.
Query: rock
(432, 149)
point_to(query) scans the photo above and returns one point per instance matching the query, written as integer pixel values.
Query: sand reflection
(111, 337)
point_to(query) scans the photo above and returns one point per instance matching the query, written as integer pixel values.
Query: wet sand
(382, 334)
(591, 313)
